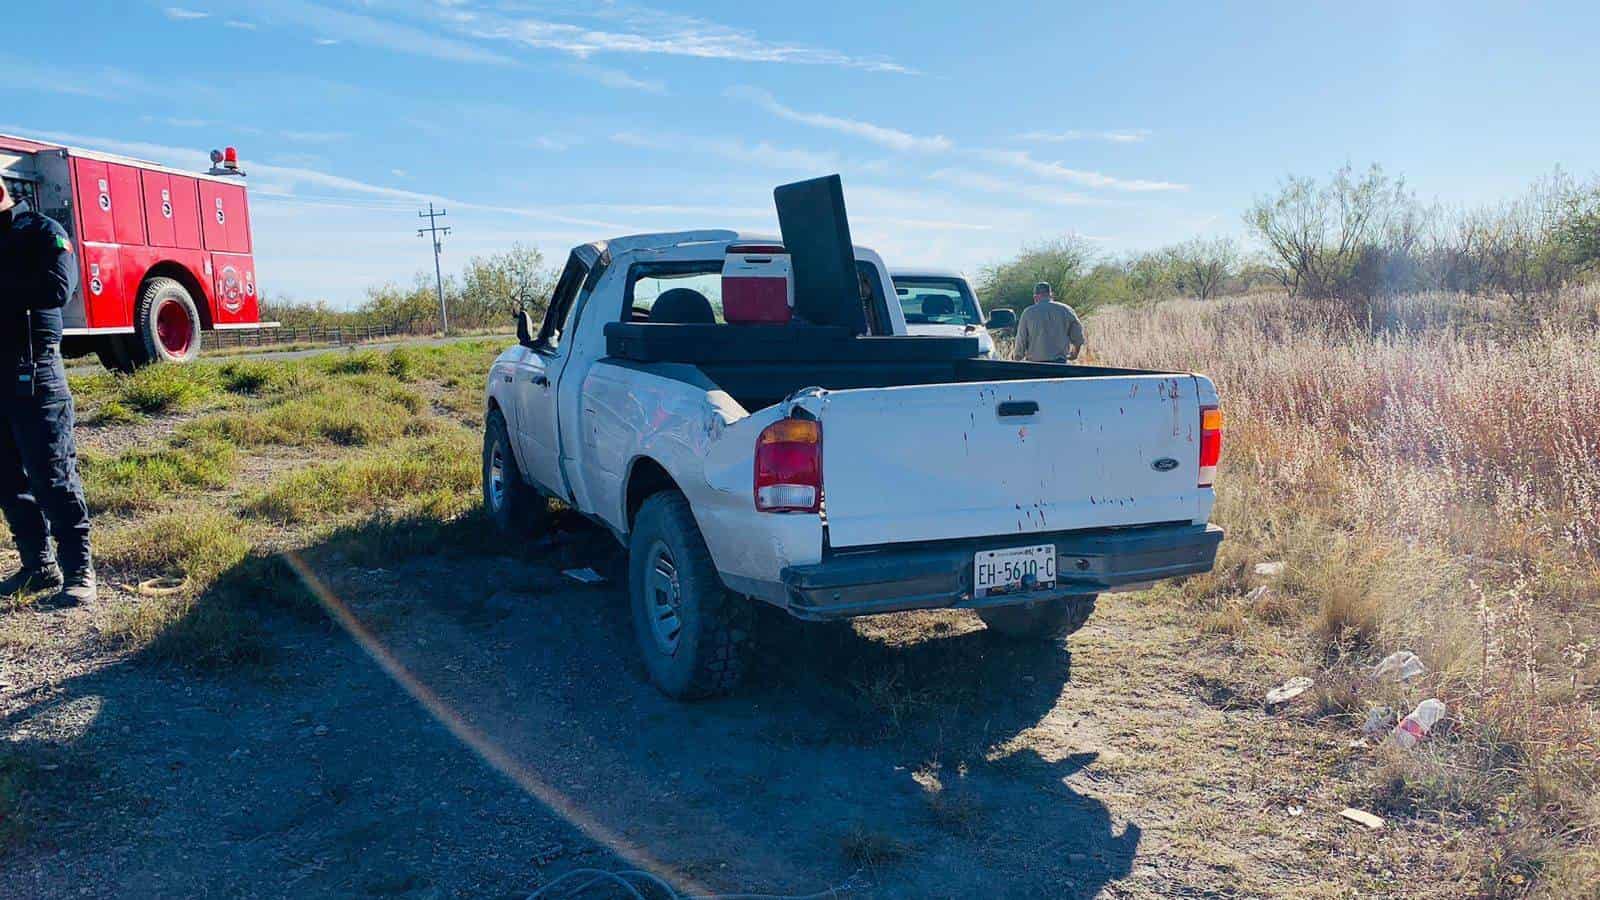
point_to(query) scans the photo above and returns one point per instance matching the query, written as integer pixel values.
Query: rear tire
(1050, 620)
(116, 352)
(693, 632)
(167, 324)
(514, 506)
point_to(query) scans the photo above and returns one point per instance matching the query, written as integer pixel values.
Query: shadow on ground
(883, 758)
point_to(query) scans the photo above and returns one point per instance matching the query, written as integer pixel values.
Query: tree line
(485, 295)
(1353, 237)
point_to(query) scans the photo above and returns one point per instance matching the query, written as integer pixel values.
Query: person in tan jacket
(1049, 331)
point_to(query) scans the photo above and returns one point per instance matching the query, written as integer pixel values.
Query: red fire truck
(165, 254)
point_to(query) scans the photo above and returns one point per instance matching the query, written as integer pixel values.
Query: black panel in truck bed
(661, 342)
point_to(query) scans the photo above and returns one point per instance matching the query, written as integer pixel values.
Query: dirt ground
(482, 726)
(467, 722)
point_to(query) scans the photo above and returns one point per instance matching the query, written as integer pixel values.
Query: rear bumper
(893, 579)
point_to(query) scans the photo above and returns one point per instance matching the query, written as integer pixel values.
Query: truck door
(538, 374)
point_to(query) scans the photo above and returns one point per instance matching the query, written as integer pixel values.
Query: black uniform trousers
(40, 492)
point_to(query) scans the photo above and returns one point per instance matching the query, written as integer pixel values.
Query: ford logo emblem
(1164, 464)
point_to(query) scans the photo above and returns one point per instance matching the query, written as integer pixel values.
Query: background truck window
(936, 301)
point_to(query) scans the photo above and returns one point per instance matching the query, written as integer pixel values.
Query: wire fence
(308, 334)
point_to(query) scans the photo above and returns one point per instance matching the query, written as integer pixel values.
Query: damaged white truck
(749, 418)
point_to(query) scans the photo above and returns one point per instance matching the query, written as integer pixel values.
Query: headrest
(937, 304)
(683, 306)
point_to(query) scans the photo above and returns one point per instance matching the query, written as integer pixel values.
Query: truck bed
(759, 366)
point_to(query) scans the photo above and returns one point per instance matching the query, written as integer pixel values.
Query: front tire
(1047, 621)
(512, 504)
(693, 633)
(167, 324)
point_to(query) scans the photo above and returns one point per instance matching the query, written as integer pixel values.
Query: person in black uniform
(39, 488)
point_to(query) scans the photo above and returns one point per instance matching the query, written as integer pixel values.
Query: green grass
(168, 389)
(142, 479)
(436, 476)
(344, 415)
(112, 412)
(251, 378)
(398, 479)
(193, 544)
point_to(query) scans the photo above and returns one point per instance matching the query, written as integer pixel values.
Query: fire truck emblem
(95, 287)
(105, 203)
(231, 290)
(166, 209)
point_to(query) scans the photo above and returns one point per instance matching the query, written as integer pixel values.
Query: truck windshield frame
(562, 300)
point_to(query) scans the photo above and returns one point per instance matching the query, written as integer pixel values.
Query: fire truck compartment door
(94, 201)
(223, 218)
(101, 286)
(158, 208)
(185, 213)
(127, 215)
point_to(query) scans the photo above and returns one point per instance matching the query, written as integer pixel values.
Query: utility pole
(434, 231)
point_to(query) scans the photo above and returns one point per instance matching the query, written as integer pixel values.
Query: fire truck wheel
(116, 352)
(168, 323)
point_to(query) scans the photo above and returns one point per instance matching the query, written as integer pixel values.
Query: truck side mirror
(1001, 318)
(524, 328)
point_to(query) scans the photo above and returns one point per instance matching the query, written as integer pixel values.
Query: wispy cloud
(985, 183)
(616, 78)
(648, 31)
(180, 14)
(893, 138)
(332, 25)
(760, 154)
(1056, 171)
(101, 82)
(555, 145)
(1130, 136)
(289, 182)
(240, 24)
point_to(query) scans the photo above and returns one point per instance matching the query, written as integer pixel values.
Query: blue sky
(962, 130)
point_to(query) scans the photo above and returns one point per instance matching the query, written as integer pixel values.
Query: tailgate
(938, 462)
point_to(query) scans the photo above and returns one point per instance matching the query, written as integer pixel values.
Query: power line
(434, 231)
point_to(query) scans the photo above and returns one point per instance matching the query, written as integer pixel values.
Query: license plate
(1015, 570)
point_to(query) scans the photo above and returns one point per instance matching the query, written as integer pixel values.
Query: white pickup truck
(940, 302)
(827, 473)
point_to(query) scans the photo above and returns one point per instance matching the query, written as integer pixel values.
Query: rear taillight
(1210, 443)
(789, 467)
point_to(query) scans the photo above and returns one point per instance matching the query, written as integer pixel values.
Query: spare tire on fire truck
(166, 324)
